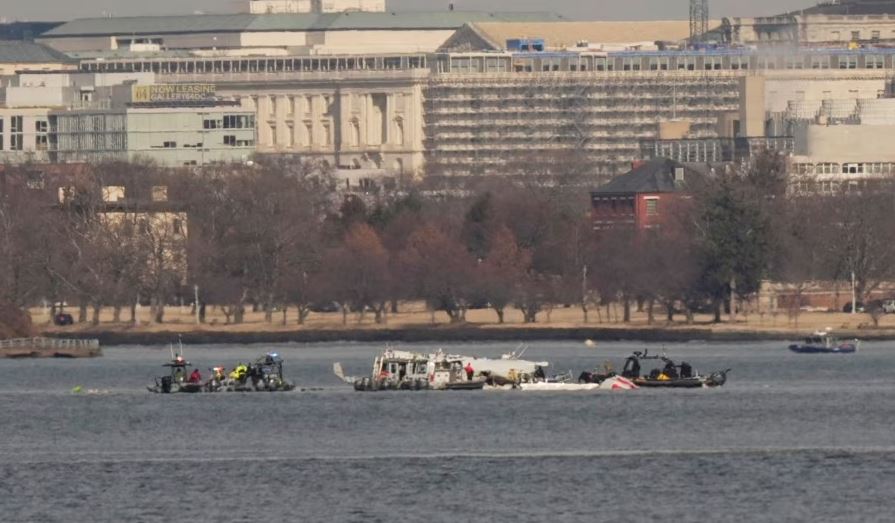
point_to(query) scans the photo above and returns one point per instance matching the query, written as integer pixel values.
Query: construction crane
(699, 19)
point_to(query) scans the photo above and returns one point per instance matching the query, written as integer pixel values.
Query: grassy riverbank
(415, 323)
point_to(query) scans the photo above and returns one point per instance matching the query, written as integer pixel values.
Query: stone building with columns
(361, 122)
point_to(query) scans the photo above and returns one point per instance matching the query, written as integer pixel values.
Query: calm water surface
(789, 438)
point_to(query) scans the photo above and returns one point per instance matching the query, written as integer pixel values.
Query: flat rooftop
(20, 52)
(241, 23)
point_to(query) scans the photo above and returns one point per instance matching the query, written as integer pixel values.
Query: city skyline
(573, 9)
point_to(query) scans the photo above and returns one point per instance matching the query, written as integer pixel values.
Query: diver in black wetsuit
(632, 367)
(670, 369)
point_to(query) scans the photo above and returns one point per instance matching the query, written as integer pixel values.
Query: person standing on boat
(670, 369)
(196, 376)
(470, 372)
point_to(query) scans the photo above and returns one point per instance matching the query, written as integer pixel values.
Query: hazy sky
(582, 9)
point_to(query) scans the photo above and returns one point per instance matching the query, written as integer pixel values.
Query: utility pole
(854, 295)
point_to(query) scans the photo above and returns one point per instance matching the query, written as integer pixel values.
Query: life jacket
(239, 372)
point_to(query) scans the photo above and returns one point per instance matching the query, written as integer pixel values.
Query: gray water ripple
(789, 438)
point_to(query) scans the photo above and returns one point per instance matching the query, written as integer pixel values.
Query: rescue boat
(823, 342)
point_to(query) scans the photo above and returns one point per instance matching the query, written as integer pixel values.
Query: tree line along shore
(278, 239)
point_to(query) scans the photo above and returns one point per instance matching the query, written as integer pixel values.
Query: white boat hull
(558, 387)
(613, 383)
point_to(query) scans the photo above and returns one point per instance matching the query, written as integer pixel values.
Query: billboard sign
(173, 93)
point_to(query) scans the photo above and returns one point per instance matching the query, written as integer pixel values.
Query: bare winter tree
(441, 270)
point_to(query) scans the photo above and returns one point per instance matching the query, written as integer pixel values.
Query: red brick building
(644, 197)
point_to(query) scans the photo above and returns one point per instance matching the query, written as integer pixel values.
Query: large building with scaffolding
(501, 94)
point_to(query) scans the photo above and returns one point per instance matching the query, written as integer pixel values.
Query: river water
(789, 438)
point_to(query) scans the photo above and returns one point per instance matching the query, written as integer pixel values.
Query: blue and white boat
(823, 342)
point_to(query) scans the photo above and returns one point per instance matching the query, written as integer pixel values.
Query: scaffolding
(564, 123)
(699, 19)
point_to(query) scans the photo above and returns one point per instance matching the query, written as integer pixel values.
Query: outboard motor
(166, 384)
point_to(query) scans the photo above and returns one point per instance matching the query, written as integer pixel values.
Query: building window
(17, 133)
(827, 168)
(874, 61)
(658, 64)
(855, 36)
(739, 62)
(804, 168)
(211, 124)
(848, 62)
(355, 133)
(652, 206)
(820, 62)
(687, 63)
(232, 121)
(874, 36)
(230, 140)
(169, 145)
(40, 138)
(177, 225)
(853, 168)
(159, 193)
(113, 193)
(794, 62)
(399, 131)
(712, 63)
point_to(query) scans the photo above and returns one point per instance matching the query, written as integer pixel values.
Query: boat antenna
(180, 343)
(171, 346)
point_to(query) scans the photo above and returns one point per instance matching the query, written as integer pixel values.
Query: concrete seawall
(51, 347)
(456, 334)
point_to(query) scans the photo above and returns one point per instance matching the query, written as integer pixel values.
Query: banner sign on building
(173, 93)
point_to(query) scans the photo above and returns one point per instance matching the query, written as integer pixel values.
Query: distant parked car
(327, 306)
(859, 307)
(63, 318)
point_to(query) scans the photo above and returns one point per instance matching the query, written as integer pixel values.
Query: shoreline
(456, 334)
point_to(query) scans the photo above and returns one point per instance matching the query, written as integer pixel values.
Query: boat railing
(49, 343)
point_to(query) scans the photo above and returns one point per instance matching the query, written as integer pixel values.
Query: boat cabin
(822, 339)
(399, 366)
